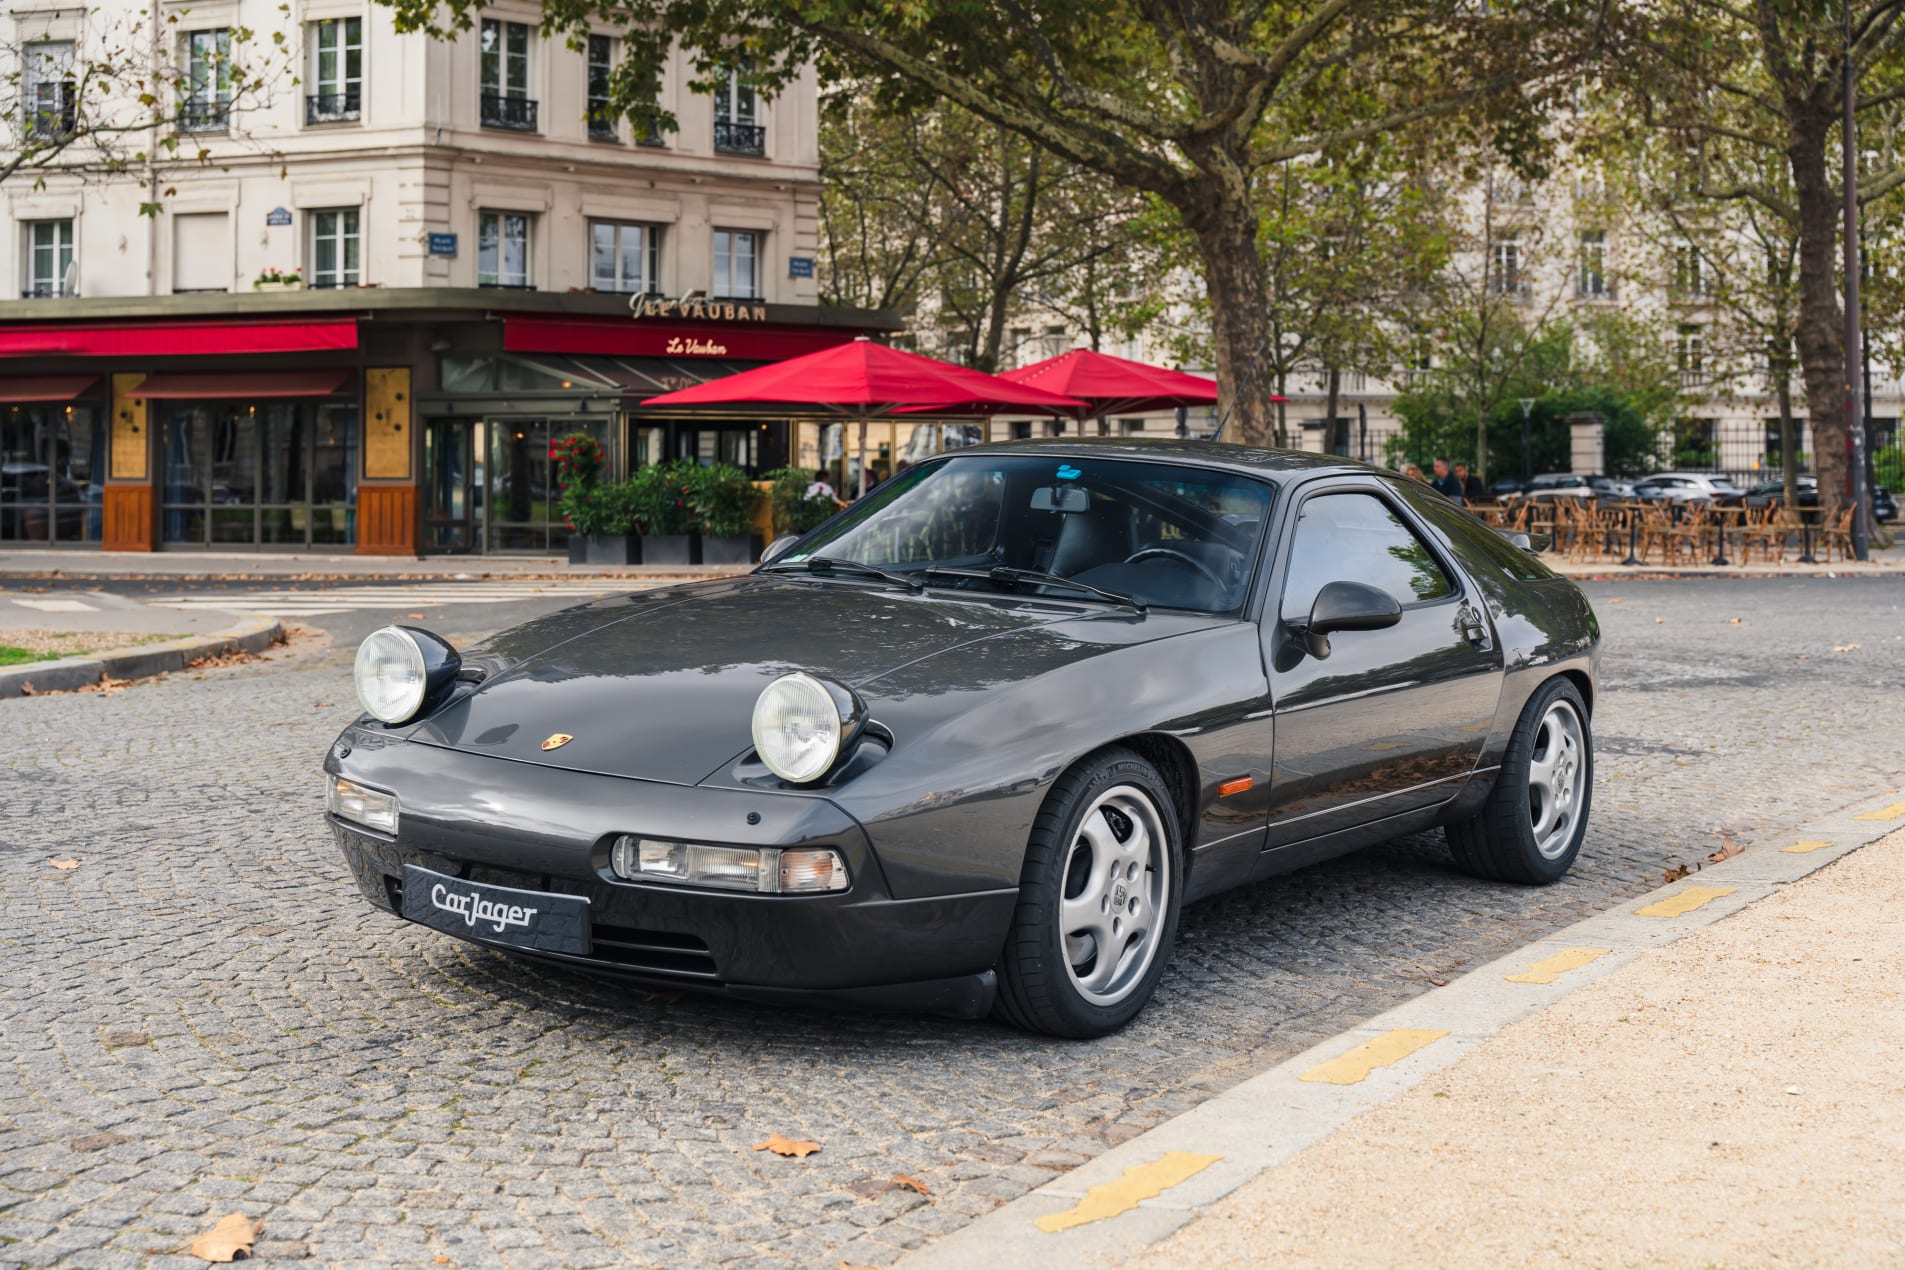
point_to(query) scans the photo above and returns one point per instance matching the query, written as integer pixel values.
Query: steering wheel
(1181, 558)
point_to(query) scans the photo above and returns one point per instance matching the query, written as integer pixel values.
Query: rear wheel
(1098, 901)
(1531, 827)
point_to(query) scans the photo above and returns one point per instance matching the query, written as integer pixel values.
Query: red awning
(1116, 385)
(246, 384)
(45, 387)
(166, 339)
(658, 337)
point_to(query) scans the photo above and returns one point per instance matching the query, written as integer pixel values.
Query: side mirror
(779, 547)
(1347, 606)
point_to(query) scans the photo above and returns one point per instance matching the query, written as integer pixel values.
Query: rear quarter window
(1469, 538)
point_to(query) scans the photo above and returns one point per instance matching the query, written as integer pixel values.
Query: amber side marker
(1237, 786)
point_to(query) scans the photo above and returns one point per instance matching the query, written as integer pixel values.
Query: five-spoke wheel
(1531, 826)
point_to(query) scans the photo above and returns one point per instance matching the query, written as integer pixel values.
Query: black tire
(1040, 984)
(1500, 842)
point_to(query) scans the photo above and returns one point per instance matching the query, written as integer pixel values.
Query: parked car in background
(1608, 487)
(1552, 485)
(1505, 487)
(1806, 497)
(1689, 487)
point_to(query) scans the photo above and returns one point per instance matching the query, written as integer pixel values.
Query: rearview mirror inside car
(1061, 498)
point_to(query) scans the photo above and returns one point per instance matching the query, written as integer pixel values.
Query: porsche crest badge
(556, 740)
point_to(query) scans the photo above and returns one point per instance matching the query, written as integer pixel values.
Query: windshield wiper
(827, 564)
(1010, 579)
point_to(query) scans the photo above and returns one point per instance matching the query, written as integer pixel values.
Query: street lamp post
(1854, 388)
(1527, 409)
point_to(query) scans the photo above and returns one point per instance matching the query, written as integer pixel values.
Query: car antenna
(1250, 373)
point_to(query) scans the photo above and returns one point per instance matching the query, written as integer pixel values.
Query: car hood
(661, 685)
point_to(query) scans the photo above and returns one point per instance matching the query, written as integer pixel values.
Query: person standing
(1472, 488)
(1446, 482)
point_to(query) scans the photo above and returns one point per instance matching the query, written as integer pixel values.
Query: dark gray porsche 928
(974, 743)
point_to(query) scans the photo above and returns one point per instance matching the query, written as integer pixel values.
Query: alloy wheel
(1117, 887)
(1557, 778)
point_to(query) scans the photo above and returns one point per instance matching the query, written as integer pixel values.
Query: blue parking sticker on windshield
(1066, 472)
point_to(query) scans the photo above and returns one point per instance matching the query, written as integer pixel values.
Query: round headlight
(390, 673)
(800, 725)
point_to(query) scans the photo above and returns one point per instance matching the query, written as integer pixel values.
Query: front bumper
(545, 829)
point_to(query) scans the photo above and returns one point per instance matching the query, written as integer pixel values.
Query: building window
(737, 127)
(624, 257)
(1504, 267)
(1053, 342)
(502, 250)
(1594, 265)
(505, 86)
(1689, 272)
(208, 82)
(1690, 355)
(49, 258)
(337, 71)
(601, 62)
(737, 264)
(1131, 427)
(51, 98)
(334, 248)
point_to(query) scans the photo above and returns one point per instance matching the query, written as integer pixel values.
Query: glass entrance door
(453, 452)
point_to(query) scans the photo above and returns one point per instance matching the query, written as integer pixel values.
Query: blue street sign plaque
(443, 244)
(278, 216)
(800, 266)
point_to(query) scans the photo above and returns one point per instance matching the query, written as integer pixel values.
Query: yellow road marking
(1801, 848)
(1551, 968)
(1140, 1182)
(1683, 902)
(1390, 1047)
(1884, 813)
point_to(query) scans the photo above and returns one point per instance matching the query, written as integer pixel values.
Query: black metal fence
(1751, 452)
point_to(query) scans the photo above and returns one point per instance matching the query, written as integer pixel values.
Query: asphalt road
(202, 1017)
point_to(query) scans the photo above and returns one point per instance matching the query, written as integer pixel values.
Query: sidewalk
(1712, 1073)
(1737, 1098)
(240, 566)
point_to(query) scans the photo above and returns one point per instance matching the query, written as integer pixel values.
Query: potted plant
(274, 280)
(723, 501)
(657, 498)
(596, 513)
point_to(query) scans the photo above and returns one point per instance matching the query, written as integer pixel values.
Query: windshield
(1162, 534)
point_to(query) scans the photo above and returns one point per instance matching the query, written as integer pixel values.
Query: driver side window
(1355, 537)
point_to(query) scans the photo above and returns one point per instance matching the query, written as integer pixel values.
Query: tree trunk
(1820, 334)
(1788, 452)
(1225, 229)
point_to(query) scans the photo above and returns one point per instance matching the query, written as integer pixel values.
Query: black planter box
(671, 548)
(730, 548)
(605, 549)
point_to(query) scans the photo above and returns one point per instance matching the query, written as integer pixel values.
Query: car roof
(1281, 466)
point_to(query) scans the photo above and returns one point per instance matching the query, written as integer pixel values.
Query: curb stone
(252, 635)
(1271, 1117)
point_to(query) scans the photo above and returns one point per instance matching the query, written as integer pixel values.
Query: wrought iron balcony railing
(341, 107)
(740, 138)
(518, 114)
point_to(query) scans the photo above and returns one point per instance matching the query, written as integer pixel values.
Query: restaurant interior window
(52, 477)
(258, 473)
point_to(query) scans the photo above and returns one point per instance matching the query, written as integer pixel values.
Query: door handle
(1474, 629)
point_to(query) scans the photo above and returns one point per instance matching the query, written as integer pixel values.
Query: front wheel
(1098, 901)
(1531, 827)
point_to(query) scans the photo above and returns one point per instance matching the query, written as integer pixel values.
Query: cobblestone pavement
(203, 1017)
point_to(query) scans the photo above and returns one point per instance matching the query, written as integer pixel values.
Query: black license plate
(497, 914)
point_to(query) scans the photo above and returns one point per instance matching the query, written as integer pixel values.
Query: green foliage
(588, 506)
(792, 511)
(1889, 463)
(722, 500)
(657, 498)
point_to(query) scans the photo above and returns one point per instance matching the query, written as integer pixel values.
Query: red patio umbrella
(862, 379)
(1115, 385)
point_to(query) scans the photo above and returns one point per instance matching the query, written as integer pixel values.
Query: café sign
(698, 310)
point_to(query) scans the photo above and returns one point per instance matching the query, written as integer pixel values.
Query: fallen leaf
(230, 1240)
(848, 1265)
(1659, 620)
(1728, 849)
(67, 865)
(323, 705)
(28, 690)
(1619, 599)
(442, 1260)
(787, 1146)
(1844, 648)
(912, 1184)
(1736, 621)
(1675, 874)
(415, 617)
